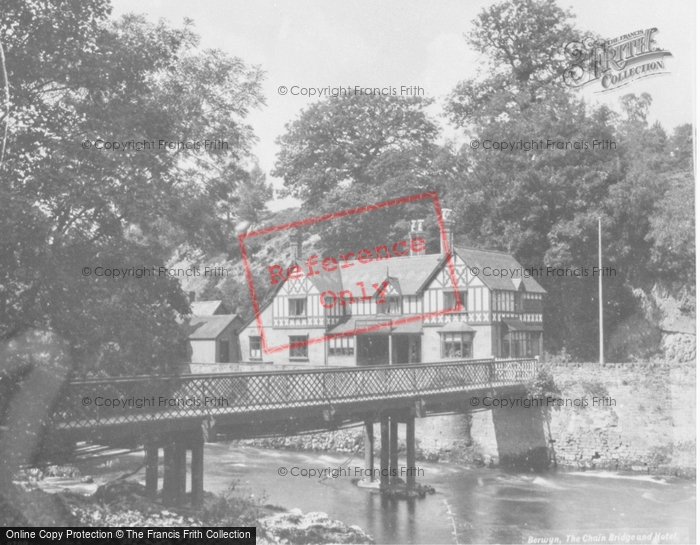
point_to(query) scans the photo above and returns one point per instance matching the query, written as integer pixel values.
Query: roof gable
(208, 327)
(485, 259)
(411, 272)
(207, 308)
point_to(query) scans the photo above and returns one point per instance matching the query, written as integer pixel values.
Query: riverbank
(470, 505)
(648, 426)
(123, 503)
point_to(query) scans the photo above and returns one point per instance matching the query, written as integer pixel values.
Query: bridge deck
(119, 402)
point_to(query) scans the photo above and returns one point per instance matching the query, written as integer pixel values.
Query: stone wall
(437, 438)
(646, 421)
(650, 427)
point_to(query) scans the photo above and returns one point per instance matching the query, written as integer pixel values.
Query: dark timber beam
(369, 448)
(394, 449)
(169, 480)
(410, 451)
(180, 471)
(152, 471)
(175, 472)
(197, 469)
(384, 456)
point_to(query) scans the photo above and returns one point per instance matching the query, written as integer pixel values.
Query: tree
(671, 232)
(251, 196)
(360, 149)
(354, 142)
(77, 77)
(523, 44)
(542, 204)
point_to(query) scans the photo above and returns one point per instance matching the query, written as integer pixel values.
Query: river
(469, 506)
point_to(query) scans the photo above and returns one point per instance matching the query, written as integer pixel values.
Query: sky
(370, 43)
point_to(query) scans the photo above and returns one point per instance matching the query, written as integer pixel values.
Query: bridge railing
(134, 399)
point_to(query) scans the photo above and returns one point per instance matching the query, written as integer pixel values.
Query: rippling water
(469, 506)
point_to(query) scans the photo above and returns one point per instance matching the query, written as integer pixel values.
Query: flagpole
(600, 293)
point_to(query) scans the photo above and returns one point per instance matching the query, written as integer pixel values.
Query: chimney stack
(449, 224)
(417, 232)
(295, 245)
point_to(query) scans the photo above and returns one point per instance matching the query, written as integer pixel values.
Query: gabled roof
(411, 272)
(209, 327)
(484, 259)
(407, 275)
(324, 280)
(207, 308)
(392, 287)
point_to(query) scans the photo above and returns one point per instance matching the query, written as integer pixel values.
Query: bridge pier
(369, 449)
(175, 469)
(197, 469)
(410, 450)
(175, 473)
(152, 451)
(520, 438)
(384, 454)
(389, 470)
(394, 449)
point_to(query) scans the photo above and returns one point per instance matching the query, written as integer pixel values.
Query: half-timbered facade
(494, 314)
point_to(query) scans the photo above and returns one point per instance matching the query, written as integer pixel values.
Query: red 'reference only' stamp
(336, 301)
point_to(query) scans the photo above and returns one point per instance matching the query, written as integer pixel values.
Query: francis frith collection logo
(615, 63)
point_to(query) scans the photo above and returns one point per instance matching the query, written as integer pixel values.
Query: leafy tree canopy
(543, 205)
(75, 76)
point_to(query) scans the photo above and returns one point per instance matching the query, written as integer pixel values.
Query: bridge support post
(152, 470)
(369, 449)
(175, 473)
(180, 471)
(394, 449)
(197, 469)
(384, 456)
(410, 451)
(520, 438)
(168, 474)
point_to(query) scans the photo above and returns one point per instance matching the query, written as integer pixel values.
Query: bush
(543, 385)
(595, 388)
(230, 510)
(558, 357)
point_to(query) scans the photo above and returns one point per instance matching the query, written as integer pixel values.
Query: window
(456, 345)
(341, 346)
(450, 302)
(392, 305)
(478, 299)
(255, 348)
(521, 344)
(300, 351)
(297, 307)
(223, 352)
(504, 301)
(532, 302)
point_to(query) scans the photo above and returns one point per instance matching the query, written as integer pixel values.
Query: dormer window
(297, 306)
(392, 305)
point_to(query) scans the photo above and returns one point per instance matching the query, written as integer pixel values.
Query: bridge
(180, 413)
